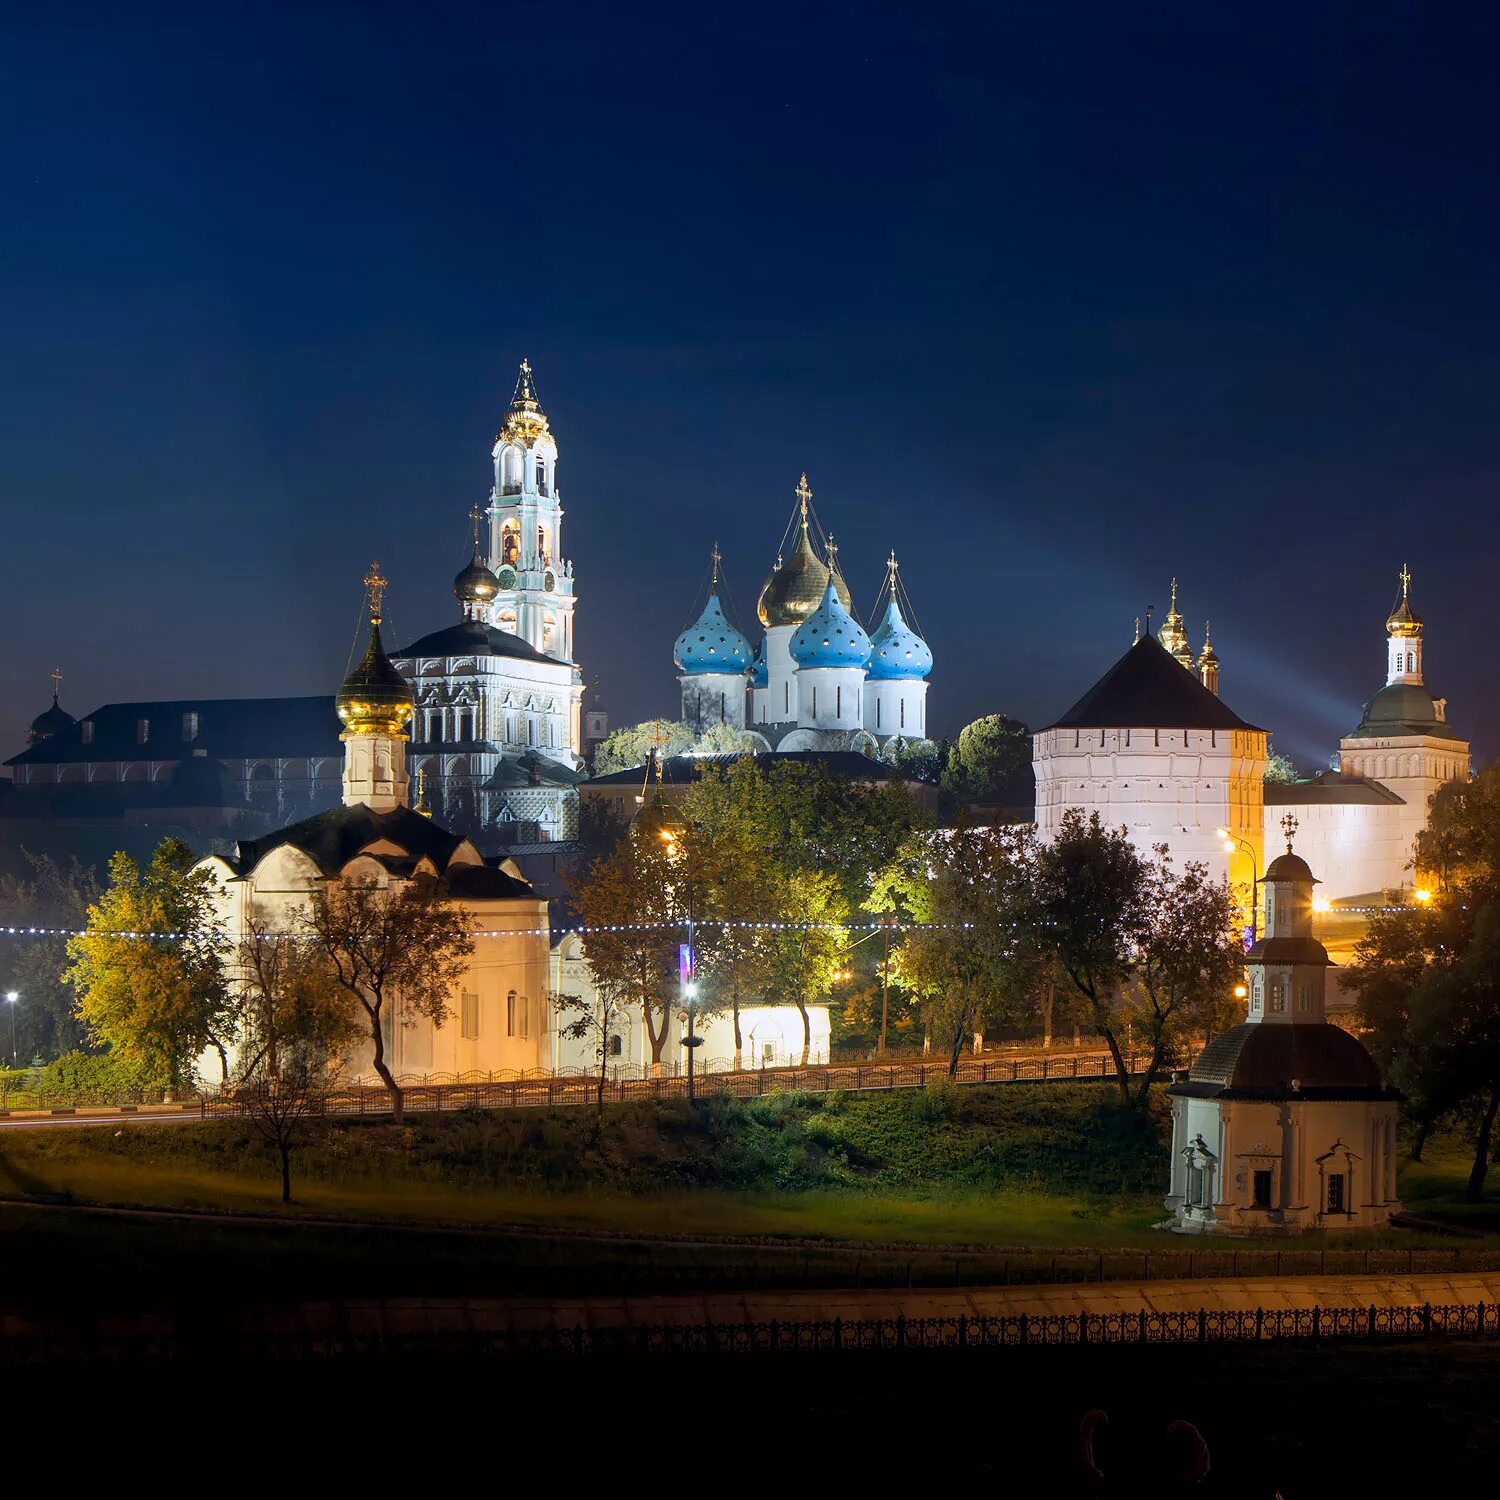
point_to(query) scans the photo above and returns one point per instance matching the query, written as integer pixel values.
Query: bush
(92, 1075)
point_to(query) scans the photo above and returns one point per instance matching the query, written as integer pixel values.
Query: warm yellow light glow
(1240, 992)
(667, 837)
(1320, 903)
(1423, 895)
(1228, 847)
(1222, 832)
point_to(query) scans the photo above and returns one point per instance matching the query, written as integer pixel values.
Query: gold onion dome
(375, 698)
(525, 422)
(796, 587)
(1404, 620)
(476, 584)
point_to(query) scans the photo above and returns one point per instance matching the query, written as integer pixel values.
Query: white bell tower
(535, 598)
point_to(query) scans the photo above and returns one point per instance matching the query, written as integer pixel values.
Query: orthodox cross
(56, 682)
(1289, 830)
(375, 583)
(525, 365)
(716, 561)
(804, 494)
(1405, 580)
(833, 554)
(474, 514)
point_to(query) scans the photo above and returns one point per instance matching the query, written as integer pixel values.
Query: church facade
(496, 731)
(498, 1013)
(817, 680)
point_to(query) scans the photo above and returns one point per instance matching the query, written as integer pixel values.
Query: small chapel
(1283, 1123)
(498, 1015)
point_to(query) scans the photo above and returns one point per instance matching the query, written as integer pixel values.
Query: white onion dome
(830, 636)
(896, 650)
(711, 643)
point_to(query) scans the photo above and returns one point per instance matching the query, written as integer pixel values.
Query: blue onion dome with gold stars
(711, 643)
(761, 672)
(896, 650)
(375, 698)
(830, 636)
(796, 583)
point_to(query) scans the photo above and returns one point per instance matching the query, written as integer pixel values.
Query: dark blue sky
(1057, 299)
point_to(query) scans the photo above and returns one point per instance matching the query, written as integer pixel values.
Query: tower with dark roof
(1150, 748)
(1282, 1123)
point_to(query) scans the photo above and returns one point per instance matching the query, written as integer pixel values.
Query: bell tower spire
(1403, 638)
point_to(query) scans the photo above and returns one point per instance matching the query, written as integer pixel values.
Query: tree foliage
(396, 951)
(991, 763)
(55, 895)
(157, 1001)
(631, 746)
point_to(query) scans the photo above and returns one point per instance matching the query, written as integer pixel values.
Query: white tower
(375, 706)
(535, 598)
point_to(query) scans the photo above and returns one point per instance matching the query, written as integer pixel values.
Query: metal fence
(381, 1336)
(558, 1089)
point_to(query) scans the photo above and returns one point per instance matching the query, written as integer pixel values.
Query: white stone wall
(776, 703)
(710, 698)
(896, 707)
(1171, 786)
(830, 698)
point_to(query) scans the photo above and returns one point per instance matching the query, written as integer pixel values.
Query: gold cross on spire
(56, 681)
(375, 585)
(474, 515)
(891, 563)
(1289, 830)
(1174, 596)
(716, 561)
(833, 554)
(525, 365)
(1405, 581)
(804, 494)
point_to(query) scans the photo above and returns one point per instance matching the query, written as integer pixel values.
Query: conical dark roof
(1147, 689)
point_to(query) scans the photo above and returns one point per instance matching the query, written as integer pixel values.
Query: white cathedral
(818, 680)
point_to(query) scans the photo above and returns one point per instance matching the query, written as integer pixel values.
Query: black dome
(1265, 1058)
(1290, 867)
(52, 721)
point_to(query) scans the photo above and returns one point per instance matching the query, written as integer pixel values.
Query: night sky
(1058, 300)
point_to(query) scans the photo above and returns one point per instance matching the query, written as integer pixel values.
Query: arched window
(510, 472)
(510, 542)
(616, 1044)
(541, 475)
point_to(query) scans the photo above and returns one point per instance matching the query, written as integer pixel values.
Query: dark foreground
(1334, 1420)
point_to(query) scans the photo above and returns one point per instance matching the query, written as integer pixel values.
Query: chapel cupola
(475, 586)
(713, 659)
(375, 705)
(1403, 631)
(51, 720)
(1173, 635)
(1287, 967)
(1208, 663)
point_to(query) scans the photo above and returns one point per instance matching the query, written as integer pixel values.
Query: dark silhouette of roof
(679, 770)
(1149, 689)
(227, 728)
(474, 638)
(1329, 787)
(1261, 1060)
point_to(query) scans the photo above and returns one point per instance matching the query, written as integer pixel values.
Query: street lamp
(12, 997)
(689, 991)
(1230, 840)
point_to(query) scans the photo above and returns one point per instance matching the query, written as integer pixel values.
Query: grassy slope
(1019, 1166)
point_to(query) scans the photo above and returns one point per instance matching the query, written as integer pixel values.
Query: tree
(972, 953)
(632, 746)
(388, 946)
(627, 903)
(297, 1025)
(725, 739)
(1428, 976)
(1089, 884)
(593, 1021)
(56, 895)
(1186, 957)
(148, 971)
(805, 947)
(1279, 768)
(991, 762)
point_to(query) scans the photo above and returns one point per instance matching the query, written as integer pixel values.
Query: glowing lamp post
(11, 997)
(1231, 840)
(687, 962)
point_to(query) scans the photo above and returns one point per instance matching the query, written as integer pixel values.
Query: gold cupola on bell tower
(375, 705)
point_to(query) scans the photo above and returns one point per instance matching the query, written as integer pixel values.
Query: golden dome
(476, 584)
(525, 422)
(795, 588)
(375, 698)
(1404, 620)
